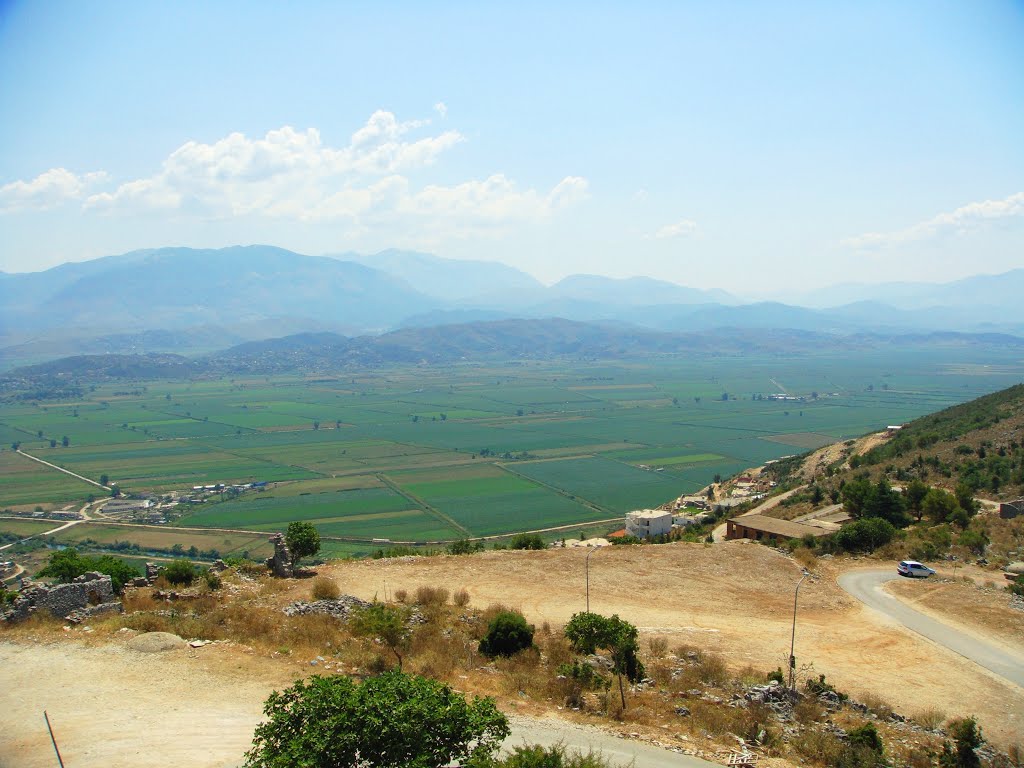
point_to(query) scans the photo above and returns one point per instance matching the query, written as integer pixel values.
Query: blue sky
(757, 147)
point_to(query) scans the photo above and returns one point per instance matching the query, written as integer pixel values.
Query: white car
(912, 568)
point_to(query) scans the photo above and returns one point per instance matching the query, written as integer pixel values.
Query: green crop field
(423, 454)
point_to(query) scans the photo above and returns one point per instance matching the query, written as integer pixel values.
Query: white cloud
(961, 221)
(441, 108)
(290, 174)
(682, 228)
(47, 190)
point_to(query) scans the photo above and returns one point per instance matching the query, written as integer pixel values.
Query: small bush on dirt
(820, 686)
(212, 580)
(817, 746)
(507, 634)
(431, 595)
(461, 598)
(658, 646)
(1017, 586)
(866, 736)
(179, 572)
(966, 737)
(527, 541)
(536, 756)
(401, 595)
(930, 719)
(777, 676)
(325, 589)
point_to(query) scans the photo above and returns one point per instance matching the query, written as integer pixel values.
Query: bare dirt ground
(735, 598)
(197, 707)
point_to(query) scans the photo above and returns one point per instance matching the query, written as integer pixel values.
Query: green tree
(914, 494)
(527, 541)
(393, 720)
(386, 623)
(885, 503)
(855, 495)
(65, 441)
(303, 540)
(507, 634)
(67, 564)
(965, 498)
(104, 479)
(865, 535)
(586, 632)
(938, 505)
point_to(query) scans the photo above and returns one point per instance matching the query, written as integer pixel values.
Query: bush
(67, 564)
(865, 534)
(507, 634)
(461, 597)
(325, 589)
(464, 547)
(213, 581)
(1017, 586)
(431, 595)
(536, 756)
(966, 738)
(527, 541)
(332, 721)
(179, 572)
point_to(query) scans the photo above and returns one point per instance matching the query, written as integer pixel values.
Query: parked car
(912, 568)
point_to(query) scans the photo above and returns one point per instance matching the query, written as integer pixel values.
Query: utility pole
(592, 551)
(792, 639)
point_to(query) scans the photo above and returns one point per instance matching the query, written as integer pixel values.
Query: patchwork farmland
(431, 455)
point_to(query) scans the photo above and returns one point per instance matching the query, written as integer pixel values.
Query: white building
(645, 523)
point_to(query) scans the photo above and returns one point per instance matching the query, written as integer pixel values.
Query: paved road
(581, 738)
(866, 586)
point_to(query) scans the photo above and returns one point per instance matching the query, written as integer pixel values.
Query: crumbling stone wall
(87, 595)
(281, 564)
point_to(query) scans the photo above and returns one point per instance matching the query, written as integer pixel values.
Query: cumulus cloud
(681, 228)
(961, 221)
(47, 190)
(374, 180)
(441, 108)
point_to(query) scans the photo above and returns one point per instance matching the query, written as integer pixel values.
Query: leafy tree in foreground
(67, 564)
(390, 721)
(586, 632)
(303, 540)
(507, 634)
(180, 572)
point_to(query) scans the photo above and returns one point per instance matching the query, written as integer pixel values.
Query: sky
(758, 147)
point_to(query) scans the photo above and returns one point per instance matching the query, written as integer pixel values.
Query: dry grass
(401, 595)
(877, 705)
(817, 746)
(658, 647)
(461, 597)
(431, 595)
(325, 589)
(930, 719)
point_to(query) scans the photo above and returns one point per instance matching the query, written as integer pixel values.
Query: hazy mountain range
(195, 301)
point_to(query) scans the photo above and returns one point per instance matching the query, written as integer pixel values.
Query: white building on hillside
(645, 523)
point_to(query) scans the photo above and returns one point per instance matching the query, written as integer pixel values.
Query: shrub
(325, 589)
(527, 541)
(1017, 586)
(464, 547)
(213, 581)
(67, 564)
(401, 595)
(507, 634)
(966, 738)
(866, 736)
(333, 721)
(388, 623)
(179, 572)
(865, 534)
(461, 597)
(536, 756)
(431, 595)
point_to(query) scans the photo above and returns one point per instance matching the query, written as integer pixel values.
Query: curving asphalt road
(866, 586)
(582, 738)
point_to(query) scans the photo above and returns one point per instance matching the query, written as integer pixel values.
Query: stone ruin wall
(87, 595)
